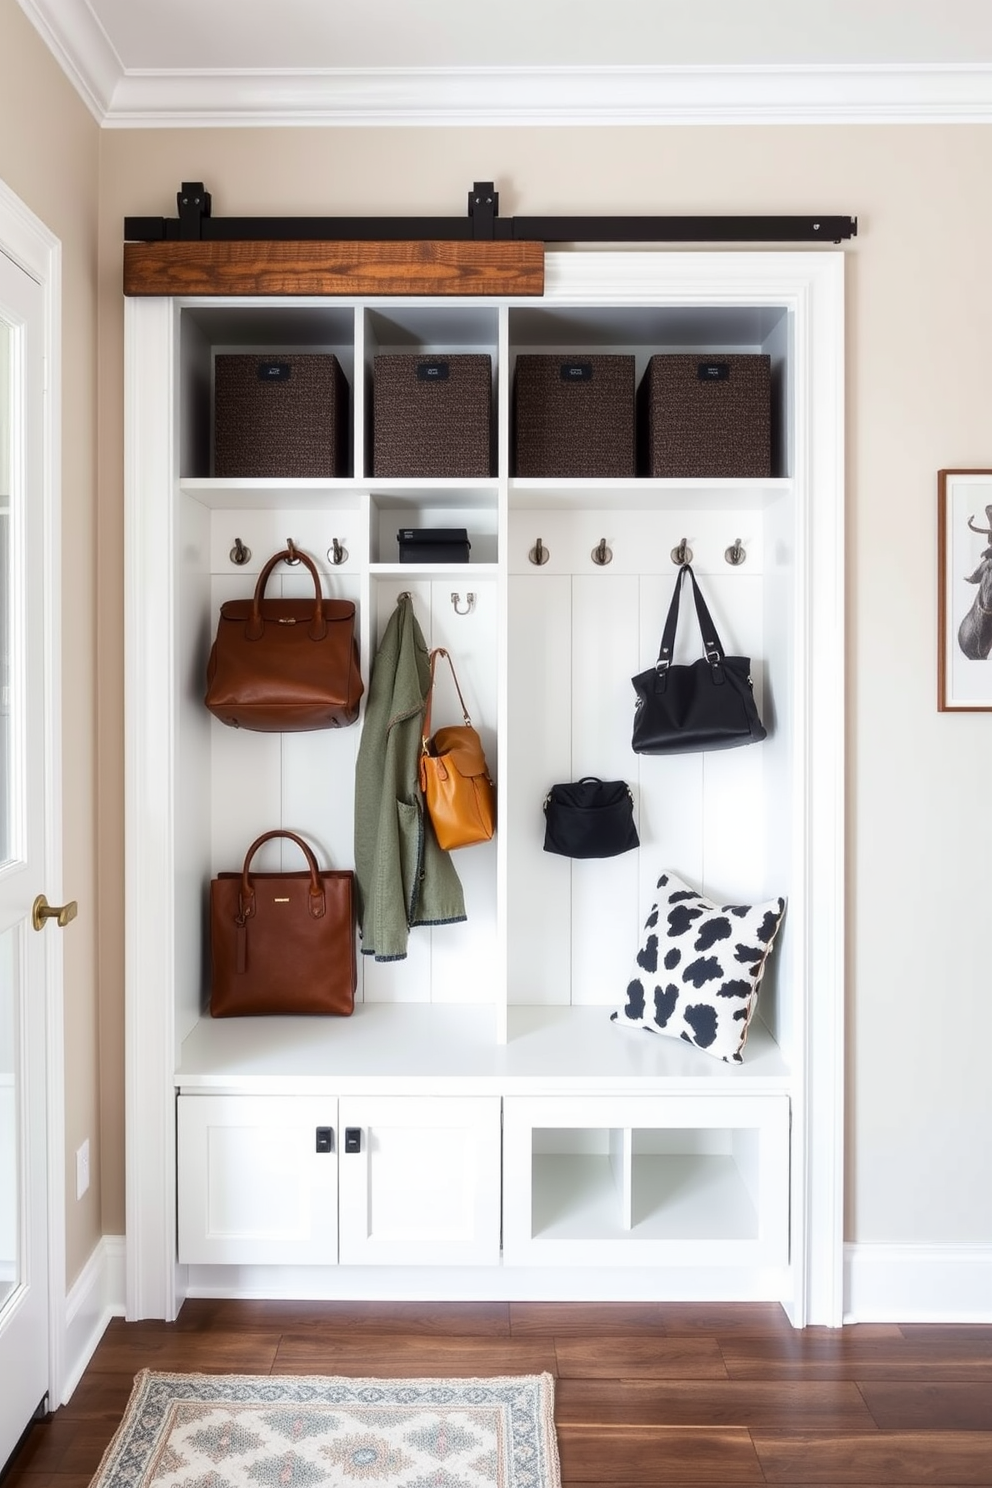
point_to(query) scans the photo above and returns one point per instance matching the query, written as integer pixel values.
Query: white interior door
(24, 869)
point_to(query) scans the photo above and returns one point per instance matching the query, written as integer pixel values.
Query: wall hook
(239, 553)
(292, 557)
(336, 553)
(601, 554)
(682, 554)
(469, 603)
(736, 554)
(539, 553)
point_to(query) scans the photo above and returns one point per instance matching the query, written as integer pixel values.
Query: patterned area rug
(286, 1431)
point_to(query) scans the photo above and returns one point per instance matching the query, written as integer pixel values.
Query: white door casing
(32, 1323)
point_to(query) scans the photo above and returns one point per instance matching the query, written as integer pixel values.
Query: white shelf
(334, 493)
(645, 494)
(419, 1045)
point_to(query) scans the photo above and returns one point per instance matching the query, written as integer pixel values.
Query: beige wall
(49, 156)
(919, 397)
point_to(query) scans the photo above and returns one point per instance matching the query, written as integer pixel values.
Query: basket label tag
(274, 371)
(713, 371)
(576, 371)
(432, 371)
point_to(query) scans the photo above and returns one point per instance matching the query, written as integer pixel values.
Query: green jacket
(402, 877)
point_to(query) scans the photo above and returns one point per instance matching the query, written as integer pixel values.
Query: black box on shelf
(705, 416)
(433, 544)
(280, 415)
(432, 416)
(574, 416)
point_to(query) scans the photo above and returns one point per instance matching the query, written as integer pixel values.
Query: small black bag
(708, 704)
(591, 818)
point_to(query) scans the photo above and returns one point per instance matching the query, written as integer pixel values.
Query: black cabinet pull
(325, 1139)
(353, 1139)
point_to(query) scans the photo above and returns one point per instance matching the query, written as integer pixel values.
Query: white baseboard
(97, 1295)
(918, 1284)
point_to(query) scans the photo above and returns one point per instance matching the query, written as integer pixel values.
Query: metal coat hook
(539, 553)
(469, 604)
(735, 554)
(601, 554)
(336, 553)
(683, 553)
(239, 553)
(292, 556)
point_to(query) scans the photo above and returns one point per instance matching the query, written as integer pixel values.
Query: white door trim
(26, 240)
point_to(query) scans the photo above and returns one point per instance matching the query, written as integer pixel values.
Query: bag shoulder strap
(712, 645)
(440, 651)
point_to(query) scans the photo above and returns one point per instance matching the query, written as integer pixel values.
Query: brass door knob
(41, 911)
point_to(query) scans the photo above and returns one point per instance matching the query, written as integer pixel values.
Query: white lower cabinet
(313, 1180)
(646, 1181)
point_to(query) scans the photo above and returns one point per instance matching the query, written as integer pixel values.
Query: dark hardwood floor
(649, 1394)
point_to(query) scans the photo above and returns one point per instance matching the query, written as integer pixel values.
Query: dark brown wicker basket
(702, 416)
(280, 416)
(431, 416)
(574, 416)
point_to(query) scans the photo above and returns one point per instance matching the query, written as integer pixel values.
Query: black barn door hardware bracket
(195, 223)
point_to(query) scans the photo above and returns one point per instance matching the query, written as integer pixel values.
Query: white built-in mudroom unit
(492, 1133)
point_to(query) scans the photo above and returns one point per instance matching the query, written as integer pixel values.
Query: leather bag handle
(440, 651)
(712, 645)
(255, 626)
(318, 903)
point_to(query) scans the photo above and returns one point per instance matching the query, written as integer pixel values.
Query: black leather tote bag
(708, 704)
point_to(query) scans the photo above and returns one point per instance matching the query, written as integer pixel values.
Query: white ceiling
(162, 62)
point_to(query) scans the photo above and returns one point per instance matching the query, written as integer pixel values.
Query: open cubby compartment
(655, 1179)
(460, 963)
(646, 330)
(449, 504)
(235, 784)
(209, 327)
(463, 327)
(723, 821)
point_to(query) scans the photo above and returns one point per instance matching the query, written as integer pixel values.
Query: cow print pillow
(698, 969)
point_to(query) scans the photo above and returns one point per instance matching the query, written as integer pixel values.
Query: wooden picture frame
(964, 591)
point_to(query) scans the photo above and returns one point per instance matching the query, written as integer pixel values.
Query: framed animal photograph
(964, 591)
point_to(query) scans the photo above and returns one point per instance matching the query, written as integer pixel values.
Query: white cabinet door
(420, 1180)
(648, 1181)
(257, 1179)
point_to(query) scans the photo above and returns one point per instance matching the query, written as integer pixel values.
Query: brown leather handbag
(454, 776)
(282, 942)
(285, 665)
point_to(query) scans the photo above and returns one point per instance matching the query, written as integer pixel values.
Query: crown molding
(535, 96)
(122, 98)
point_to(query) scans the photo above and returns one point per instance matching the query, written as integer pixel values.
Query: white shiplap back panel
(670, 787)
(604, 890)
(464, 960)
(540, 723)
(245, 767)
(318, 767)
(734, 816)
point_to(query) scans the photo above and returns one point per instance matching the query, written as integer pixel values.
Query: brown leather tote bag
(285, 666)
(282, 942)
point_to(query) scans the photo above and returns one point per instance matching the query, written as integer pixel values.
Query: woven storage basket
(705, 416)
(574, 416)
(431, 416)
(280, 415)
